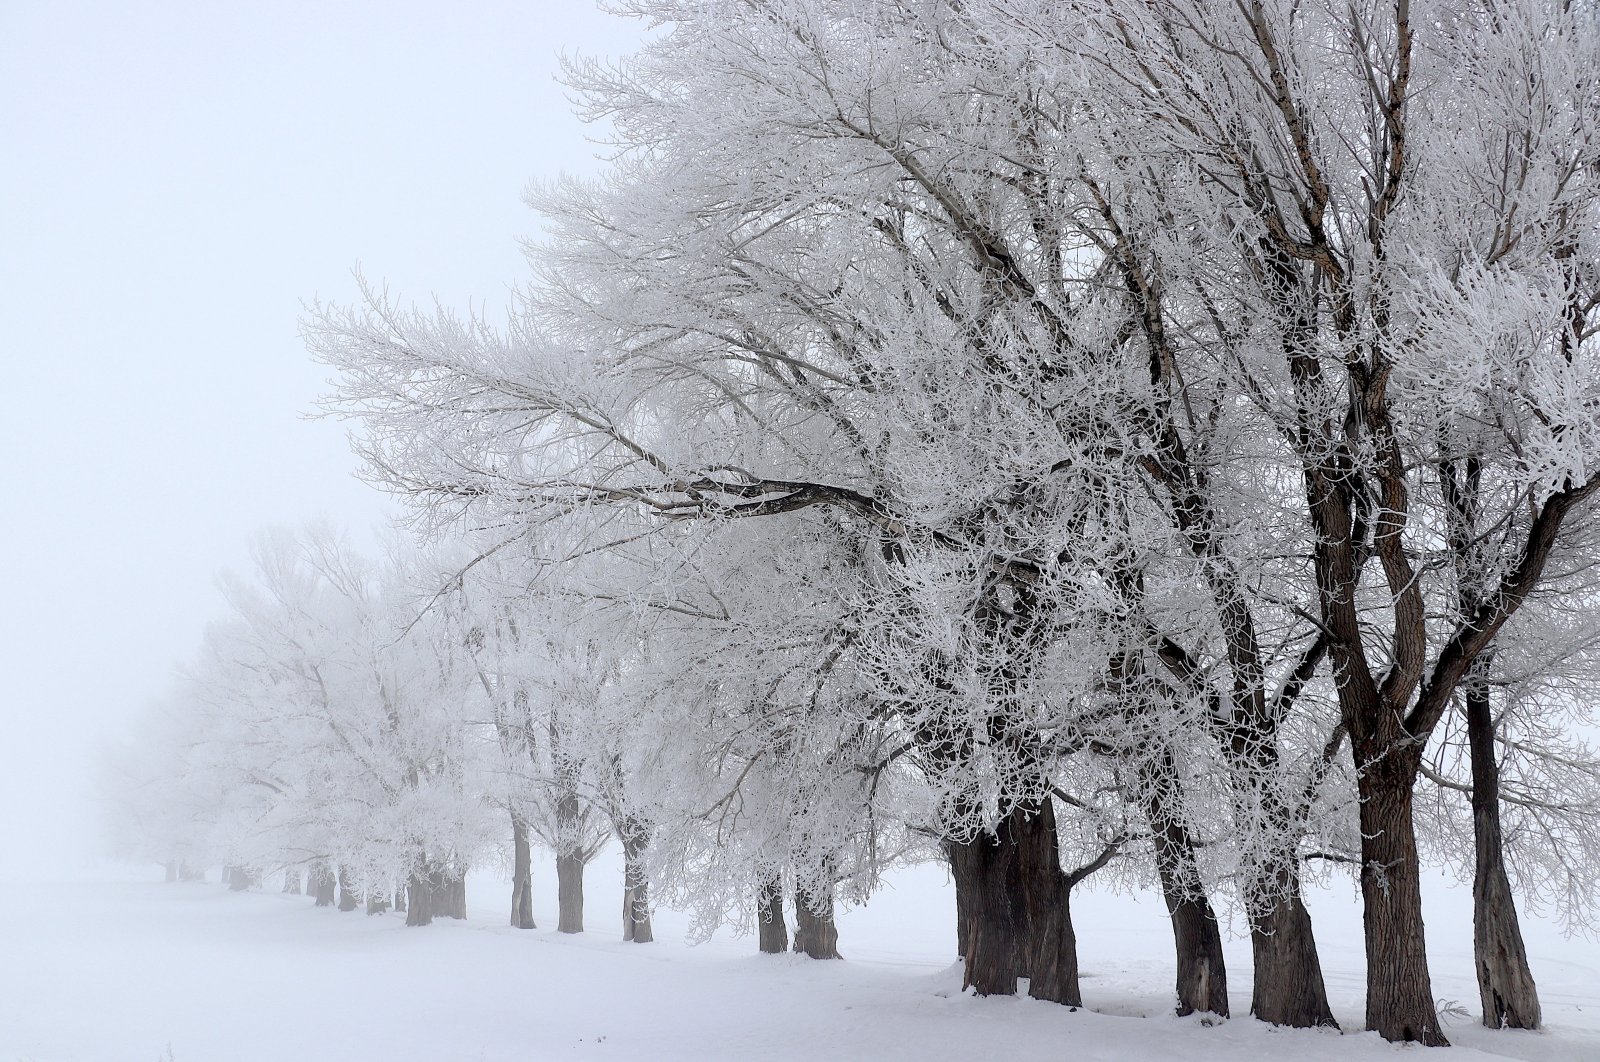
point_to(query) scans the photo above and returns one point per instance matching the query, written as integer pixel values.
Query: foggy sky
(175, 179)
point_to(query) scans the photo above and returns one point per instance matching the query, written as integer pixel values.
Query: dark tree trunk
(347, 892)
(963, 916)
(1288, 988)
(239, 879)
(569, 893)
(1505, 983)
(635, 884)
(419, 899)
(1399, 991)
(400, 899)
(322, 884)
(521, 876)
(291, 881)
(814, 932)
(1202, 974)
(377, 901)
(1018, 922)
(773, 933)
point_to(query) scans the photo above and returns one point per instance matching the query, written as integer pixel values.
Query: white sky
(175, 178)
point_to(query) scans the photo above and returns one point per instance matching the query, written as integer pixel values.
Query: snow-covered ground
(134, 970)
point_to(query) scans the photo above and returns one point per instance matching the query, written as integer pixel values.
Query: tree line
(1053, 437)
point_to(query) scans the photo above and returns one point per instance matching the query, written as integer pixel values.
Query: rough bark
(347, 893)
(1288, 987)
(1019, 922)
(635, 884)
(419, 900)
(569, 893)
(773, 933)
(1202, 974)
(322, 884)
(1505, 983)
(521, 876)
(1399, 990)
(815, 934)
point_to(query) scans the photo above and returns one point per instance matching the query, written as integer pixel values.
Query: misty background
(175, 180)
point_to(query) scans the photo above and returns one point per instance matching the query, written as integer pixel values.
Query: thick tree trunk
(347, 892)
(1505, 983)
(239, 879)
(1018, 921)
(291, 881)
(450, 895)
(377, 901)
(635, 884)
(773, 933)
(963, 916)
(1288, 987)
(814, 932)
(569, 893)
(322, 884)
(1399, 990)
(521, 876)
(1202, 974)
(419, 899)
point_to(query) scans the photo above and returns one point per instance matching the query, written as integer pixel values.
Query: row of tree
(1042, 434)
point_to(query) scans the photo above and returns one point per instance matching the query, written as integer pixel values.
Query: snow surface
(134, 970)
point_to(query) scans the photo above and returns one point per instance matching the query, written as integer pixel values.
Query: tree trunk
(1399, 990)
(377, 901)
(322, 884)
(569, 893)
(347, 893)
(963, 916)
(521, 876)
(1018, 921)
(172, 871)
(291, 881)
(1202, 974)
(1505, 983)
(814, 931)
(1288, 988)
(419, 898)
(773, 933)
(635, 884)
(400, 899)
(239, 879)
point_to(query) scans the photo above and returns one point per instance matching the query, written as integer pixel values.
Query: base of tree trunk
(521, 877)
(1400, 1003)
(815, 934)
(1505, 982)
(635, 888)
(1289, 989)
(347, 893)
(569, 894)
(1017, 919)
(291, 881)
(322, 885)
(771, 931)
